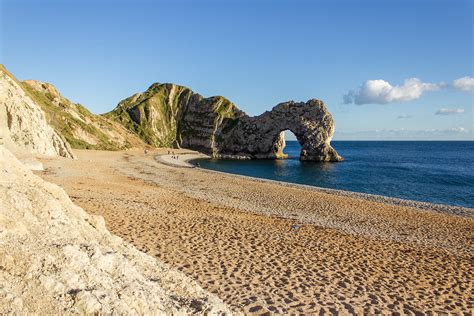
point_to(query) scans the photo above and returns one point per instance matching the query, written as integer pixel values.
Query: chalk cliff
(172, 115)
(23, 126)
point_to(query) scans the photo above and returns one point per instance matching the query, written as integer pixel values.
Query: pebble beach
(266, 247)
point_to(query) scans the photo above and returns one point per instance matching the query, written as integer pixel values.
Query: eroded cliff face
(77, 125)
(167, 114)
(170, 115)
(23, 126)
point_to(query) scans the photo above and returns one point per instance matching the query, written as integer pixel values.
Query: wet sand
(266, 247)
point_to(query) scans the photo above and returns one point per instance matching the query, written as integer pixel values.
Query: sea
(439, 172)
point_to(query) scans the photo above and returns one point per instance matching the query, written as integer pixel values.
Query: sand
(181, 160)
(266, 247)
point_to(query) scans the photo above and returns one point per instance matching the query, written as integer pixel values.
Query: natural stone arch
(260, 136)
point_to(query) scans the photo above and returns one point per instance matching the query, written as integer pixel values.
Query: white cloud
(464, 83)
(381, 92)
(404, 116)
(445, 111)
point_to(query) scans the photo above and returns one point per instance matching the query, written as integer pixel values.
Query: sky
(389, 70)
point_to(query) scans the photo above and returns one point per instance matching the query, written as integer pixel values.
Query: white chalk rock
(57, 259)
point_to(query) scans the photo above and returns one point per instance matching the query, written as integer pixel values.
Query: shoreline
(185, 162)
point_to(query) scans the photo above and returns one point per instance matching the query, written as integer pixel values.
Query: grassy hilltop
(81, 128)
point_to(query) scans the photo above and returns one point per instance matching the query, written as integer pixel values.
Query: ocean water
(430, 171)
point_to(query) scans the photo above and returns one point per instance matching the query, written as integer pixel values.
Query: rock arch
(261, 136)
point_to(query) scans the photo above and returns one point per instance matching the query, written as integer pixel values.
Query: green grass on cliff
(153, 103)
(64, 123)
(156, 114)
(153, 116)
(123, 117)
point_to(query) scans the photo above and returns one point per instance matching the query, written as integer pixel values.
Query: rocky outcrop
(262, 136)
(81, 128)
(170, 115)
(167, 114)
(23, 126)
(57, 259)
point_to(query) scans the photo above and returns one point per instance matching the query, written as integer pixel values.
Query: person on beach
(146, 151)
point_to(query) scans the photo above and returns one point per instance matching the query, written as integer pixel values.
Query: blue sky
(260, 53)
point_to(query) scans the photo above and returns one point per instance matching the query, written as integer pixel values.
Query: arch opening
(287, 145)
